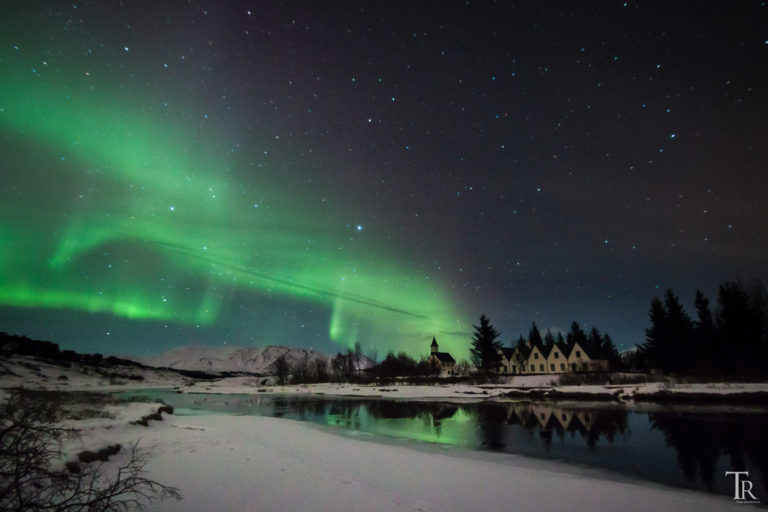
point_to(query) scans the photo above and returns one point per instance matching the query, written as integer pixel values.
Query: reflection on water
(692, 449)
(701, 444)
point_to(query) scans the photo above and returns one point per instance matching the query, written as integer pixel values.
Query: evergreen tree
(560, 339)
(705, 336)
(549, 340)
(576, 335)
(740, 328)
(534, 336)
(669, 342)
(595, 340)
(611, 353)
(485, 347)
(654, 351)
(680, 334)
(522, 349)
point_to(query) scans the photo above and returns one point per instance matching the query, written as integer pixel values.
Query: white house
(560, 358)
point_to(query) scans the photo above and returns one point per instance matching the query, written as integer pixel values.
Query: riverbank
(32, 373)
(222, 462)
(538, 387)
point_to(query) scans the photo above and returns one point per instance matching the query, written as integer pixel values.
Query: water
(688, 447)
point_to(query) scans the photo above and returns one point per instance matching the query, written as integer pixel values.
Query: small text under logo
(742, 487)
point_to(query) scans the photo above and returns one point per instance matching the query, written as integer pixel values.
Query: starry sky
(317, 174)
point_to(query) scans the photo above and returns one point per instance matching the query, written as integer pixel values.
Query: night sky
(314, 174)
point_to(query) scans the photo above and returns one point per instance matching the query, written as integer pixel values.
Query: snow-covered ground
(537, 386)
(31, 373)
(251, 463)
(222, 462)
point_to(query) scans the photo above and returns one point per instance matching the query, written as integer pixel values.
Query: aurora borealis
(256, 174)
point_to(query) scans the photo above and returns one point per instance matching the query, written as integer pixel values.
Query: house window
(552, 367)
(541, 367)
(523, 368)
(562, 367)
(557, 355)
(578, 353)
(584, 366)
(535, 355)
(514, 369)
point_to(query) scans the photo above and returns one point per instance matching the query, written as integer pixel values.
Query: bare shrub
(30, 441)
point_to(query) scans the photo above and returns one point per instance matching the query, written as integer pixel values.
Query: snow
(520, 386)
(223, 462)
(33, 373)
(259, 463)
(230, 359)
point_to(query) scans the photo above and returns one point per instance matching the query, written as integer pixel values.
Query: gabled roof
(444, 357)
(543, 349)
(508, 352)
(525, 350)
(589, 349)
(560, 347)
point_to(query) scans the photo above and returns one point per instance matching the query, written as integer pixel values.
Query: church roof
(444, 357)
(434, 341)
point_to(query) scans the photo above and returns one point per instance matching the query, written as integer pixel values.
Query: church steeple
(434, 345)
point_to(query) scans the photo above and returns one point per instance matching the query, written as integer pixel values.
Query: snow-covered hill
(228, 359)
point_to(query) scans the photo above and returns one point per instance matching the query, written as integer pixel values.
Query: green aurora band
(111, 207)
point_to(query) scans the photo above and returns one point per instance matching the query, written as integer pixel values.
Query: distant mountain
(228, 359)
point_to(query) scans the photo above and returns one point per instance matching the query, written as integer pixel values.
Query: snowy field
(31, 373)
(250, 463)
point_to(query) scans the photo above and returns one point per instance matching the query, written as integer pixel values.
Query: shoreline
(221, 461)
(262, 463)
(741, 394)
(23, 372)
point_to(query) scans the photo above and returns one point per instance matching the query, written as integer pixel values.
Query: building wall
(562, 364)
(536, 362)
(557, 362)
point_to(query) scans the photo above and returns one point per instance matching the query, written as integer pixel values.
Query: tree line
(486, 346)
(354, 366)
(731, 340)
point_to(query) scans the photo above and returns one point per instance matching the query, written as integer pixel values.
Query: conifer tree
(576, 335)
(534, 336)
(485, 347)
(549, 340)
(705, 336)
